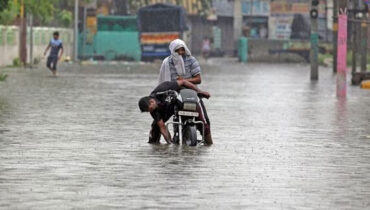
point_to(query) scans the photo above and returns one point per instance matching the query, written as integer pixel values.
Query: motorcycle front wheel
(189, 135)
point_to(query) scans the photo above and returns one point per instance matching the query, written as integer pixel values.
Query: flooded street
(281, 141)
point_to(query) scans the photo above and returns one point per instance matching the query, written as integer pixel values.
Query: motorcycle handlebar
(172, 92)
(167, 92)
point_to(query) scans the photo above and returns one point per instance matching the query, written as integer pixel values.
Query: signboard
(260, 8)
(223, 8)
(322, 9)
(286, 8)
(280, 27)
(289, 19)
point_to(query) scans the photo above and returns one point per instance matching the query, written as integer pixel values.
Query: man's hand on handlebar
(204, 94)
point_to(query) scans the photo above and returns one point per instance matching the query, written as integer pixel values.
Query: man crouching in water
(162, 110)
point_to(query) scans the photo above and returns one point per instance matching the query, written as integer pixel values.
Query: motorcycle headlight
(190, 106)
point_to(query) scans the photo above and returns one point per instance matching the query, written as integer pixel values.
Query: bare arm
(47, 49)
(164, 132)
(61, 53)
(195, 80)
(187, 84)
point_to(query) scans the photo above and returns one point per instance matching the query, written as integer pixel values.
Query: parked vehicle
(159, 24)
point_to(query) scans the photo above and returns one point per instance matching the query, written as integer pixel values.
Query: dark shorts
(52, 62)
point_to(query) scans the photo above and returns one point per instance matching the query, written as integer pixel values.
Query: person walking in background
(206, 47)
(55, 45)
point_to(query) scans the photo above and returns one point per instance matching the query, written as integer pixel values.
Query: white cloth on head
(165, 74)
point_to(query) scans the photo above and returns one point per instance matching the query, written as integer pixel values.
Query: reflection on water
(281, 142)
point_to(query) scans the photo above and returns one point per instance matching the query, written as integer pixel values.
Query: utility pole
(31, 40)
(238, 19)
(335, 34)
(251, 16)
(22, 35)
(75, 34)
(355, 29)
(364, 40)
(84, 30)
(314, 54)
(327, 20)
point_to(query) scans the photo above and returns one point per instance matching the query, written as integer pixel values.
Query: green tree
(42, 10)
(3, 4)
(8, 12)
(65, 17)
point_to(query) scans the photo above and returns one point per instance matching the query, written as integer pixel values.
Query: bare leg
(54, 69)
(207, 128)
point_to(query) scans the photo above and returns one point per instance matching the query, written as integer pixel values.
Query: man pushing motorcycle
(161, 109)
(181, 65)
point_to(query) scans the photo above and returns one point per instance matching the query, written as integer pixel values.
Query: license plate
(189, 114)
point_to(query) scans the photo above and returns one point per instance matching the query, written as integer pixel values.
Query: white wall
(9, 42)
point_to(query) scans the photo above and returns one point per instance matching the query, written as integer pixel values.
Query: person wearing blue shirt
(55, 46)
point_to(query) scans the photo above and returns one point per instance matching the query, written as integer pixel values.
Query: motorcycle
(185, 116)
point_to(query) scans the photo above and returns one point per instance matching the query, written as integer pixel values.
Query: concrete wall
(267, 50)
(9, 48)
(9, 42)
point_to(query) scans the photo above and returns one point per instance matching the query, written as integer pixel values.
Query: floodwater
(281, 141)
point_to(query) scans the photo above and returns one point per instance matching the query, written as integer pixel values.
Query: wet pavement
(281, 141)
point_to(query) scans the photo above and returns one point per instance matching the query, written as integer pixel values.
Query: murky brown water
(281, 142)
